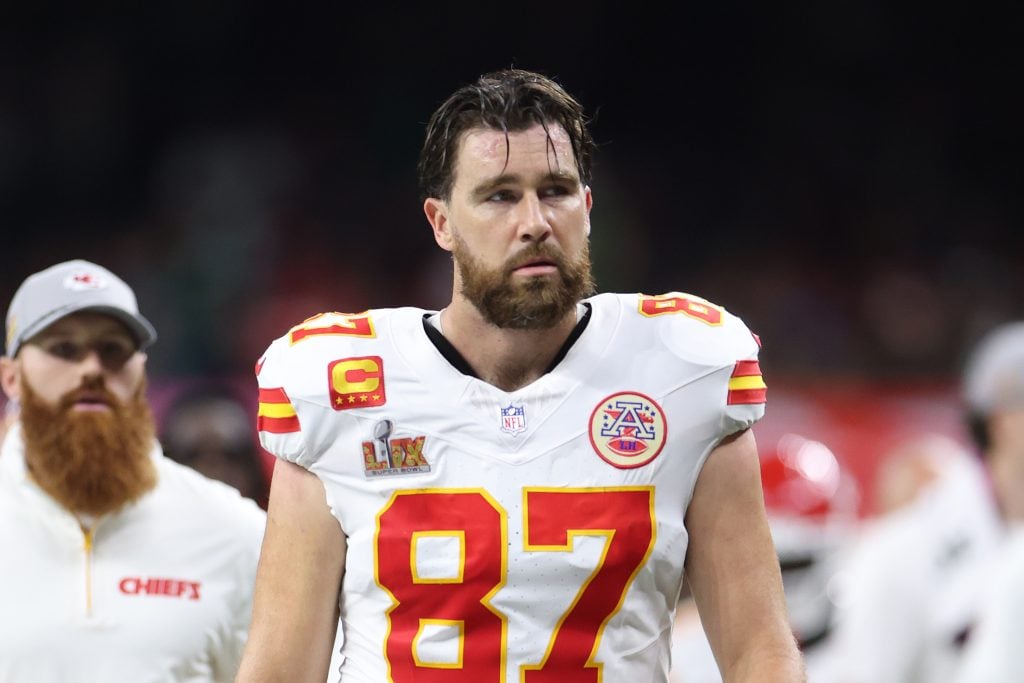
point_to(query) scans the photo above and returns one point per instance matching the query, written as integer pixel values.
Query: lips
(89, 400)
(537, 262)
(537, 268)
(89, 405)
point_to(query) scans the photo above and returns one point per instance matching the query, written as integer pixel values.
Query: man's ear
(589, 198)
(10, 378)
(437, 215)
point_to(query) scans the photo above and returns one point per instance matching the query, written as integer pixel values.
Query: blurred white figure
(910, 468)
(995, 651)
(994, 389)
(922, 574)
(812, 511)
(913, 581)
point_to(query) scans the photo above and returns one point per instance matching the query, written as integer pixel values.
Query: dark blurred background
(845, 176)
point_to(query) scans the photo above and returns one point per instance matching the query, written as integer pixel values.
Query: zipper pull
(87, 543)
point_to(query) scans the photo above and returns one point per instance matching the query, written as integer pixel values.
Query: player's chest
(605, 491)
(629, 426)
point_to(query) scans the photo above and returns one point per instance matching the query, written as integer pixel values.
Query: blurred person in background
(918, 576)
(812, 507)
(208, 428)
(911, 467)
(995, 394)
(995, 651)
(510, 488)
(120, 565)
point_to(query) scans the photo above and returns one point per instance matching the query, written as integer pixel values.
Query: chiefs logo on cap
(82, 280)
(628, 429)
(356, 382)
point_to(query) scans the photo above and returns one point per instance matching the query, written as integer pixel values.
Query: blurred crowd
(844, 180)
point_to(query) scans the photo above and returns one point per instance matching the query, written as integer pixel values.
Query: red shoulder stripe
(278, 425)
(746, 368)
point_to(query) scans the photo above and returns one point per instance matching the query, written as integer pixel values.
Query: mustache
(92, 390)
(536, 252)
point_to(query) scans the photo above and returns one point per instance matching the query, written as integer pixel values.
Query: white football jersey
(533, 535)
(914, 581)
(994, 653)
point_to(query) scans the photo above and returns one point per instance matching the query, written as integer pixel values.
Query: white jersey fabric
(159, 591)
(995, 651)
(914, 583)
(500, 536)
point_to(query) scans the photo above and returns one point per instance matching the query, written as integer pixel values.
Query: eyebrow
(65, 333)
(485, 188)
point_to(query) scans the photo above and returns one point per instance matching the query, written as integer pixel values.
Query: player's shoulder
(332, 335)
(687, 325)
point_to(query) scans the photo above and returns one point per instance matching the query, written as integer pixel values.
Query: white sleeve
(995, 652)
(277, 419)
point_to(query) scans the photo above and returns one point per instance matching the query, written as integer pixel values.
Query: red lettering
(175, 588)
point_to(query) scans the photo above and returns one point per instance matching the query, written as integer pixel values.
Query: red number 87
(624, 516)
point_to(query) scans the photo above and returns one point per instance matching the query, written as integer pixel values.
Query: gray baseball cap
(49, 295)
(994, 374)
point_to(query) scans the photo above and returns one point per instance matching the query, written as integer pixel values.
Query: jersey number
(687, 304)
(345, 324)
(459, 599)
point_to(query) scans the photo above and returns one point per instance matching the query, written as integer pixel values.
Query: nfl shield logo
(513, 419)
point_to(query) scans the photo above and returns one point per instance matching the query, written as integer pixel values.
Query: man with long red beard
(509, 489)
(119, 565)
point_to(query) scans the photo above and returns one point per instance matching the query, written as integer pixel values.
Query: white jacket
(159, 591)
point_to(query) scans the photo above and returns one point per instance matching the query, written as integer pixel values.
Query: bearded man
(120, 565)
(509, 489)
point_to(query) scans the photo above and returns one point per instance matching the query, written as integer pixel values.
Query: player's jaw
(534, 289)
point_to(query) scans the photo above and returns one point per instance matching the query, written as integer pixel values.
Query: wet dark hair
(510, 100)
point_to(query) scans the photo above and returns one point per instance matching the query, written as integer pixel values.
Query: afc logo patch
(628, 429)
(356, 383)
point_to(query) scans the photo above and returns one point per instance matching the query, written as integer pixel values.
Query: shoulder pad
(697, 330)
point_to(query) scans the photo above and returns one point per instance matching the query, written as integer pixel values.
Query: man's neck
(507, 358)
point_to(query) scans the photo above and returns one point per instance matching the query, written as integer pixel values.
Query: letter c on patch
(356, 376)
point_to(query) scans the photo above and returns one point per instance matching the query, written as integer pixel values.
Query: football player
(507, 489)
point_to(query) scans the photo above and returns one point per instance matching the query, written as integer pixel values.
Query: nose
(91, 365)
(534, 225)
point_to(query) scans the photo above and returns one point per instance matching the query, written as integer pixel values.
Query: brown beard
(537, 303)
(89, 462)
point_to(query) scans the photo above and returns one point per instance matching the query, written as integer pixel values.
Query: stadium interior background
(844, 176)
